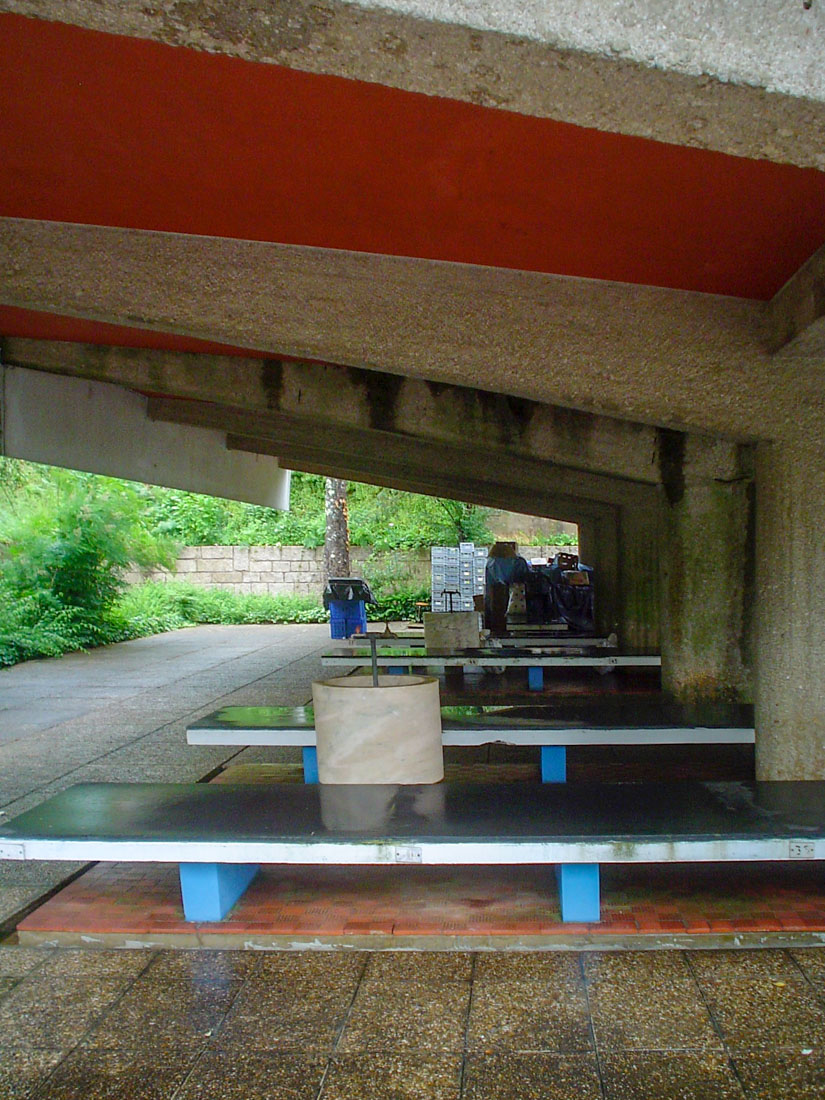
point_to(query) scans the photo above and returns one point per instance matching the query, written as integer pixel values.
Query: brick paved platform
(119, 903)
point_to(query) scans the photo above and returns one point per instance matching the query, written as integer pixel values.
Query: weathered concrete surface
(603, 347)
(761, 42)
(795, 314)
(638, 590)
(403, 454)
(47, 417)
(790, 597)
(361, 401)
(661, 91)
(707, 574)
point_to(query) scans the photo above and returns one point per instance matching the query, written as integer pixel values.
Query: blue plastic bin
(347, 617)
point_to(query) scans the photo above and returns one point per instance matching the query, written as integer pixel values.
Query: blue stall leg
(535, 678)
(579, 892)
(209, 890)
(553, 764)
(310, 754)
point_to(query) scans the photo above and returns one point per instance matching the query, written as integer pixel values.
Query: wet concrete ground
(175, 1025)
(623, 1026)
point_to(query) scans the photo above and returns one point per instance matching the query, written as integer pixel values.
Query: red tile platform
(143, 900)
(411, 905)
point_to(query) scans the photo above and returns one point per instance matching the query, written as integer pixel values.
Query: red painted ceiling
(110, 130)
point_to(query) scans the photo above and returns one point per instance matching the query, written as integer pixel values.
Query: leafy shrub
(559, 538)
(397, 606)
(39, 626)
(196, 520)
(62, 559)
(155, 607)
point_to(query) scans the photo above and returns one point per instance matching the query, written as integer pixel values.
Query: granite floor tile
(532, 1077)
(261, 998)
(738, 966)
(202, 966)
(393, 1076)
(528, 1016)
(548, 967)
(15, 898)
(7, 985)
(406, 1016)
(635, 966)
(278, 1014)
(54, 1014)
(782, 1075)
(323, 966)
(17, 961)
(99, 963)
(669, 1074)
(766, 1013)
(35, 872)
(418, 966)
(23, 1071)
(117, 1075)
(165, 1013)
(310, 1029)
(650, 1016)
(253, 1075)
(811, 961)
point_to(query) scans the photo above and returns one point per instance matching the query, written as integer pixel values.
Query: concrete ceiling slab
(602, 90)
(603, 347)
(110, 130)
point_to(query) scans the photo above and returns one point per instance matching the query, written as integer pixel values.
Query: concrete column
(790, 601)
(705, 573)
(639, 549)
(598, 547)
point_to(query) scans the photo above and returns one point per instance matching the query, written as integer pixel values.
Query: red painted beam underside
(110, 130)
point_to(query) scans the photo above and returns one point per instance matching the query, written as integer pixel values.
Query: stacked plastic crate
(466, 575)
(457, 576)
(444, 578)
(480, 570)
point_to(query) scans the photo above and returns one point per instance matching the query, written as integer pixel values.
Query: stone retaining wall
(295, 570)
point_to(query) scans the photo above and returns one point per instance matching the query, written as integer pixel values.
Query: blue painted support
(209, 890)
(535, 678)
(579, 892)
(310, 754)
(553, 764)
(397, 670)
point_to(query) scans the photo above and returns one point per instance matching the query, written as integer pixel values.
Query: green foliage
(65, 541)
(38, 626)
(558, 538)
(381, 518)
(153, 607)
(196, 520)
(397, 606)
(388, 519)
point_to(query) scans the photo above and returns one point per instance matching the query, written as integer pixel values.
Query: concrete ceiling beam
(795, 319)
(406, 459)
(505, 71)
(363, 400)
(542, 502)
(602, 347)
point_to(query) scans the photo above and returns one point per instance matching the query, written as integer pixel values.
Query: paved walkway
(187, 1025)
(120, 714)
